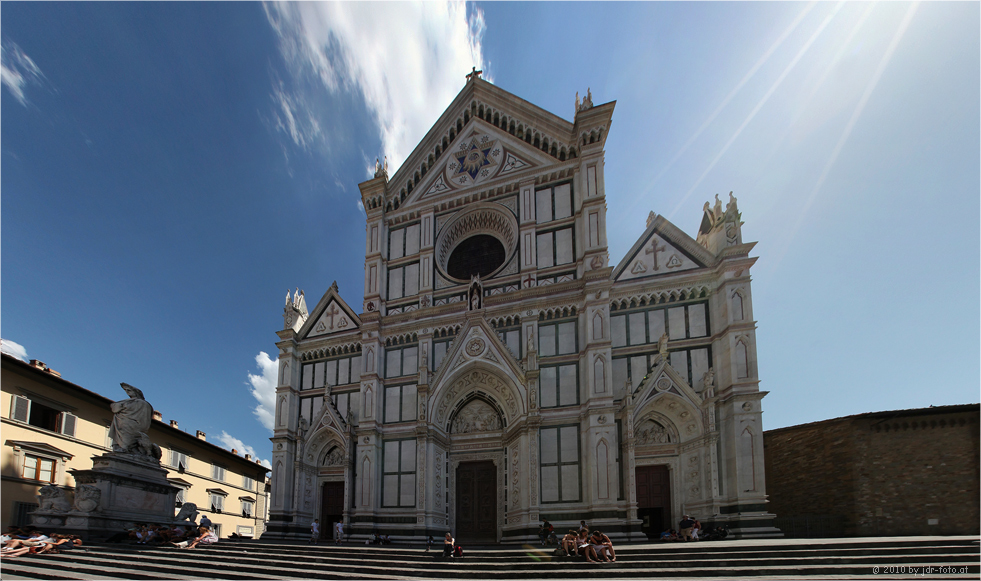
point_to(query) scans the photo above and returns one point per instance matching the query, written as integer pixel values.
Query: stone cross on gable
(473, 75)
(654, 249)
(332, 312)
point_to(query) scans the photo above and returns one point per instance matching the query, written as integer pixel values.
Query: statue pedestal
(134, 489)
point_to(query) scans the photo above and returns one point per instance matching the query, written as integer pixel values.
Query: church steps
(846, 558)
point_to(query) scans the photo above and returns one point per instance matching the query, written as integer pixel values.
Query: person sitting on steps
(602, 545)
(447, 545)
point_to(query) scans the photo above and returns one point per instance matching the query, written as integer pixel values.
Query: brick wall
(879, 474)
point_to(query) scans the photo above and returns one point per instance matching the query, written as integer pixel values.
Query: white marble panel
(332, 372)
(318, 375)
(563, 201)
(699, 365)
(619, 377)
(307, 376)
(409, 452)
(393, 362)
(696, 320)
(546, 340)
(638, 335)
(395, 283)
(410, 361)
(543, 205)
(655, 324)
(567, 337)
(741, 361)
(391, 453)
(676, 323)
(593, 225)
(568, 387)
(342, 403)
(412, 240)
(679, 360)
(550, 445)
(356, 369)
(565, 252)
(591, 181)
(570, 482)
(407, 494)
(392, 403)
(550, 483)
(318, 404)
(396, 244)
(513, 340)
(547, 382)
(544, 245)
(569, 443)
(390, 496)
(618, 330)
(439, 352)
(408, 407)
(343, 372)
(411, 279)
(638, 369)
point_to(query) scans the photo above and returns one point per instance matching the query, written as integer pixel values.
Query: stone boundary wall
(908, 472)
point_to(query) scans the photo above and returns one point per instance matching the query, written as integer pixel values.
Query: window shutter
(21, 408)
(68, 424)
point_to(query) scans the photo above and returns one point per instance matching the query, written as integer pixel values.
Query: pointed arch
(741, 359)
(599, 374)
(603, 469)
(736, 300)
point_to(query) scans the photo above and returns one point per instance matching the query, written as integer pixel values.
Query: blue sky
(169, 170)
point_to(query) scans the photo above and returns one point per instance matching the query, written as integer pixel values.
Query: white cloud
(233, 443)
(17, 70)
(264, 389)
(407, 61)
(14, 349)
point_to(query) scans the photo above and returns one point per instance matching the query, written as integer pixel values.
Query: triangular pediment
(665, 379)
(478, 341)
(662, 250)
(331, 315)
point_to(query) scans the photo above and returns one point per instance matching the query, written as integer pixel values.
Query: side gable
(331, 315)
(662, 249)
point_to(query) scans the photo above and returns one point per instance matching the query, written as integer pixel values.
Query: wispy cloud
(233, 443)
(17, 71)
(407, 62)
(13, 349)
(264, 389)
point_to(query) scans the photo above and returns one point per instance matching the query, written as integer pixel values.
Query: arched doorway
(477, 423)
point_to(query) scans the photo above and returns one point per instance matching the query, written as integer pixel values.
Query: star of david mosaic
(474, 158)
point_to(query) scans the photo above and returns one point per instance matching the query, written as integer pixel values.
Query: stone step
(840, 558)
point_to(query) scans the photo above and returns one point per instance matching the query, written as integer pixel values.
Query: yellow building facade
(51, 426)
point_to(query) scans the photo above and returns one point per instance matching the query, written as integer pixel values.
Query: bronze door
(476, 502)
(331, 508)
(654, 499)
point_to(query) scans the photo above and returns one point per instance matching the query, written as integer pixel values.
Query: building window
(399, 473)
(555, 248)
(691, 365)
(181, 497)
(22, 512)
(559, 385)
(244, 531)
(512, 338)
(217, 528)
(401, 361)
(217, 502)
(553, 203)
(39, 415)
(335, 372)
(248, 483)
(178, 460)
(400, 403)
(560, 464)
(218, 472)
(641, 327)
(403, 242)
(348, 402)
(247, 508)
(557, 339)
(37, 468)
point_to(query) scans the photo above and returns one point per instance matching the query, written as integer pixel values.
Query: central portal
(476, 502)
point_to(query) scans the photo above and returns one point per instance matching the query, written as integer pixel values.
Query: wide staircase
(879, 558)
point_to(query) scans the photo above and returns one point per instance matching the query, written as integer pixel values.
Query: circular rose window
(478, 241)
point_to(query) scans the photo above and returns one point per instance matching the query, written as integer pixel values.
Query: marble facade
(496, 338)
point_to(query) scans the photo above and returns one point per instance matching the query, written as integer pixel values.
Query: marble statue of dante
(130, 421)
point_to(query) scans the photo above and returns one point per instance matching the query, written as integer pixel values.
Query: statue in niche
(130, 422)
(531, 339)
(334, 458)
(653, 433)
(708, 379)
(476, 293)
(476, 417)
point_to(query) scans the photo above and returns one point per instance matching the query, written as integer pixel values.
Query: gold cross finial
(474, 74)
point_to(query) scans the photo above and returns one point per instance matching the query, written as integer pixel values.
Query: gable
(331, 315)
(662, 250)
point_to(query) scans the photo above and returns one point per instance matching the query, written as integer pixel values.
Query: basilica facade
(502, 370)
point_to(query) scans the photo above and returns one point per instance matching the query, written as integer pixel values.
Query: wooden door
(654, 498)
(331, 508)
(476, 502)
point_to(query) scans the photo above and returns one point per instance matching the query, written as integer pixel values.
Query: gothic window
(348, 402)
(690, 364)
(742, 362)
(33, 412)
(439, 352)
(401, 361)
(400, 403)
(646, 326)
(555, 247)
(559, 453)
(335, 372)
(737, 307)
(512, 338)
(399, 473)
(559, 385)
(403, 242)
(554, 203)
(557, 339)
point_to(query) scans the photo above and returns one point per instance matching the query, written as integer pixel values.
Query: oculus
(477, 241)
